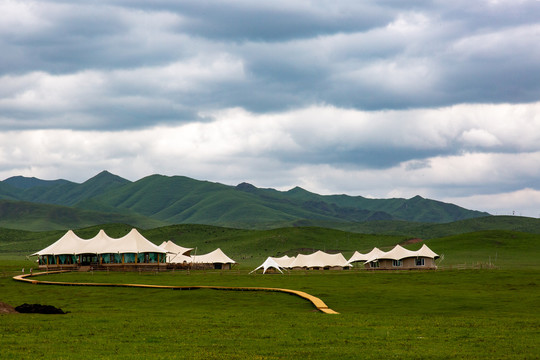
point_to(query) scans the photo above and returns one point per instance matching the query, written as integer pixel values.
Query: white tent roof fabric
(175, 249)
(102, 243)
(358, 257)
(319, 259)
(215, 257)
(70, 243)
(284, 261)
(427, 252)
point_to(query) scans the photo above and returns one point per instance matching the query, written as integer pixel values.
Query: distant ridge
(181, 200)
(22, 182)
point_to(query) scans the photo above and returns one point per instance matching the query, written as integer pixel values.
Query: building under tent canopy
(269, 263)
(400, 258)
(213, 260)
(179, 259)
(320, 260)
(102, 251)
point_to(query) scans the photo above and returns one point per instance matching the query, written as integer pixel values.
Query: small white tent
(175, 249)
(268, 264)
(217, 258)
(176, 254)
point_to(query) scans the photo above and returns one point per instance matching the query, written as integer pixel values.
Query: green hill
(69, 194)
(430, 230)
(31, 216)
(501, 248)
(178, 199)
(23, 182)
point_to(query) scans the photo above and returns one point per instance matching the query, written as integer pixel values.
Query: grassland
(446, 314)
(481, 314)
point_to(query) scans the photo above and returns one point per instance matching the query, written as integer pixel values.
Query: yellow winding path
(318, 303)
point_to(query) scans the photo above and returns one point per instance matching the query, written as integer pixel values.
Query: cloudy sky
(379, 98)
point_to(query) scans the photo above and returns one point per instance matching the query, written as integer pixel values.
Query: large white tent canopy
(70, 243)
(319, 259)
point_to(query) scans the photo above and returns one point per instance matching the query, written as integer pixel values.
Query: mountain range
(157, 200)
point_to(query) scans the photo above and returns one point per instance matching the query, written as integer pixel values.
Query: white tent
(215, 257)
(319, 259)
(176, 254)
(269, 263)
(175, 249)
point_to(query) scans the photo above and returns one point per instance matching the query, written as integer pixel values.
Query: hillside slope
(179, 199)
(40, 217)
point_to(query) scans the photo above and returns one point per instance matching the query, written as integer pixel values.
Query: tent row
(133, 249)
(316, 261)
(398, 258)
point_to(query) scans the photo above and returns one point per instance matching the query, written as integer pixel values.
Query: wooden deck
(318, 303)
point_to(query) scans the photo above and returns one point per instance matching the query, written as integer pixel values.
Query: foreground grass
(444, 314)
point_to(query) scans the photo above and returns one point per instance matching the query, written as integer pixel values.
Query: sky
(377, 98)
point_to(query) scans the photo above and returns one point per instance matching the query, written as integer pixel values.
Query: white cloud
(522, 202)
(479, 137)
(318, 148)
(500, 43)
(19, 17)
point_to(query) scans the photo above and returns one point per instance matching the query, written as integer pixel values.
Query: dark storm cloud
(282, 56)
(377, 98)
(239, 21)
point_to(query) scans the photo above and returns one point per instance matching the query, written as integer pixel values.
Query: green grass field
(446, 314)
(481, 314)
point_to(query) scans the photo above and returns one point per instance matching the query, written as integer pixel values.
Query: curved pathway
(318, 303)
